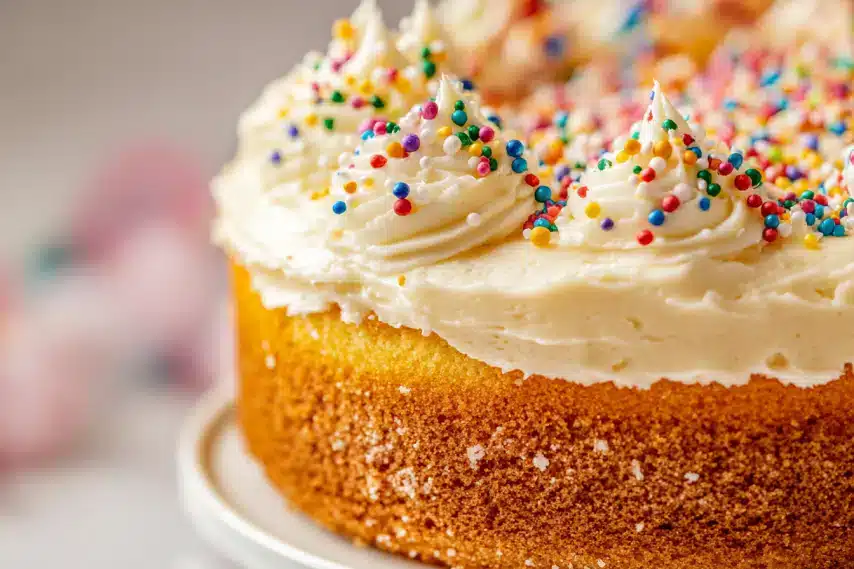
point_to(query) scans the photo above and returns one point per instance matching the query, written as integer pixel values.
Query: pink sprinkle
(483, 168)
(725, 169)
(379, 128)
(486, 133)
(392, 74)
(357, 102)
(367, 124)
(430, 110)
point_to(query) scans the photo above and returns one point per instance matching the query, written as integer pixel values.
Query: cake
(601, 343)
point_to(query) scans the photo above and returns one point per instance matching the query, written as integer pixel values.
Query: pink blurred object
(142, 283)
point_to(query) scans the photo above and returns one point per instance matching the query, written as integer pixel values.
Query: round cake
(590, 344)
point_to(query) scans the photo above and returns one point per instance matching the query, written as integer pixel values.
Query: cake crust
(399, 441)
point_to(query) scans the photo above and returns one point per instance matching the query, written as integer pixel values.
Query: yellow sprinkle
(835, 191)
(365, 87)
(401, 280)
(782, 182)
(540, 236)
(336, 233)
(403, 84)
(283, 112)
(676, 143)
(342, 29)
(320, 194)
(546, 172)
(786, 216)
(439, 56)
(800, 185)
(689, 158)
(350, 187)
(811, 241)
(394, 150)
(622, 156)
(350, 80)
(311, 119)
(632, 146)
(444, 132)
(592, 210)
(556, 145)
(368, 182)
(475, 149)
(662, 149)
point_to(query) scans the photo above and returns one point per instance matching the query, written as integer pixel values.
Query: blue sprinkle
(811, 141)
(276, 157)
(730, 104)
(607, 224)
(339, 207)
(819, 211)
(561, 120)
(543, 193)
(736, 160)
(562, 173)
(459, 118)
(561, 203)
(652, 95)
(826, 227)
(769, 78)
(400, 190)
(772, 221)
(515, 148)
(656, 217)
(838, 231)
(494, 119)
(705, 204)
(467, 84)
(367, 134)
(554, 46)
(293, 131)
(696, 150)
(809, 219)
(542, 222)
(519, 165)
(837, 127)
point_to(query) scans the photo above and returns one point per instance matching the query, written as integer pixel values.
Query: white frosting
(455, 207)
(848, 168)
(702, 303)
(422, 29)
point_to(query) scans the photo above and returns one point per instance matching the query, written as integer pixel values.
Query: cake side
(398, 440)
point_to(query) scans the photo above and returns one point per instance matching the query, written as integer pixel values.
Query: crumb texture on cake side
(397, 440)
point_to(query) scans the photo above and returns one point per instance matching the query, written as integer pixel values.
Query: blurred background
(114, 114)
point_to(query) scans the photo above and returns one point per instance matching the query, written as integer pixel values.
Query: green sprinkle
(329, 123)
(635, 170)
(604, 163)
(486, 151)
(668, 124)
(756, 177)
(429, 69)
(459, 106)
(425, 52)
(376, 102)
(464, 138)
(493, 164)
(474, 131)
(337, 97)
(713, 190)
(705, 175)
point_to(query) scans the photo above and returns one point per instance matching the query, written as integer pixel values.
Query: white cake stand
(238, 512)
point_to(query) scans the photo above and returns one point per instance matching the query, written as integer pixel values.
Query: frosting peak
(422, 29)
(443, 181)
(666, 187)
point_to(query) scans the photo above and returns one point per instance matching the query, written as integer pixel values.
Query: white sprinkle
(683, 191)
(600, 445)
(526, 233)
(692, 477)
(473, 219)
(658, 164)
(600, 563)
(475, 454)
(452, 145)
(338, 445)
(473, 162)
(639, 527)
(452, 553)
(270, 360)
(636, 470)
(541, 462)
(702, 185)
(529, 563)
(404, 390)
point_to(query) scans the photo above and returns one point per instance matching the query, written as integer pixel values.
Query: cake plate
(235, 509)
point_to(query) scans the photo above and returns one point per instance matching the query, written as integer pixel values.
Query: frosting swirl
(422, 29)
(669, 188)
(303, 122)
(442, 182)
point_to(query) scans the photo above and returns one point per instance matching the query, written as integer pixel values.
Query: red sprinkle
(531, 180)
(821, 199)
(378, 161)
(769, 234)
(742, 182)
(645, 237)
(669, 203)
(553, 211)
(687, 139)
(648, 175)
(808, 206)
(725, 169)
(403, 207)
(769, 208)
(582, 192)
(754, 200)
